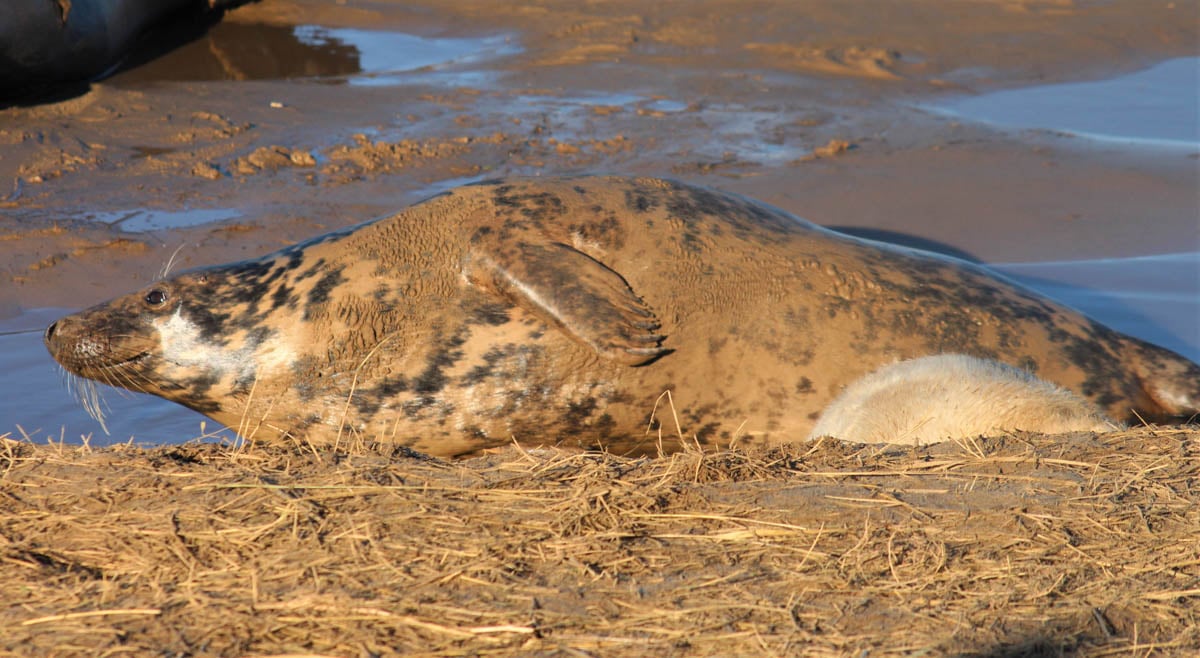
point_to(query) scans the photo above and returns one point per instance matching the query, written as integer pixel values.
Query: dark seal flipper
(573, 291)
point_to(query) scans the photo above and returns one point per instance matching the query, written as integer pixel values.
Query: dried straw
(1024, 545)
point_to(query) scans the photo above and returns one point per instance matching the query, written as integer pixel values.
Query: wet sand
(291, 118)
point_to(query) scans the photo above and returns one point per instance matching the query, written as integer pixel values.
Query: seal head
(171, 340)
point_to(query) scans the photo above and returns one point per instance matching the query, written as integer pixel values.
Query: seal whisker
(92, 401)
(166, 269)
(130, 377)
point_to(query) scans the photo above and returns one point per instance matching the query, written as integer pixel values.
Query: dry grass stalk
(1025, 545)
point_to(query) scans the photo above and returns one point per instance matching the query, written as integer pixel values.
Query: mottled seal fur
(561, 311)
(948, 396)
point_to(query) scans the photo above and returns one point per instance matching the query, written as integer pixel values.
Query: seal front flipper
(591, 302)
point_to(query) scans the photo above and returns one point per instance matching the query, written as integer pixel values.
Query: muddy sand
(949, 125)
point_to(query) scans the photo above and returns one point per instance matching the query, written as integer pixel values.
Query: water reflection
(238, 51)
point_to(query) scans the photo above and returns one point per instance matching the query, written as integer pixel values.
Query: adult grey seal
(950, 396)
(563, 311)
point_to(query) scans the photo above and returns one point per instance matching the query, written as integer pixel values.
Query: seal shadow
(906, 240)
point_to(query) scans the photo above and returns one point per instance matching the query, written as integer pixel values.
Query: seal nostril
(49, 335)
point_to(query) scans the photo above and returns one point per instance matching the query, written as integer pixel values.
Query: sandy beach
(294, 117)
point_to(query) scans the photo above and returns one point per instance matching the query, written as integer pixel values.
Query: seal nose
(51, 338)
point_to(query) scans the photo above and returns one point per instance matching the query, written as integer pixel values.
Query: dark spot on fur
(308, 421)
(491, 313)
(641, 199)
(319, 294)
(197, 402)
(475, 432)
(391, 386)
(604, 426)
(482, 372)
(607, 231)
(537, 207)
(690, 243)
(576, 417)
(1095, 354)
(115, 324)
(211, 324)
(312, 270)
(245, 284)
(705, 434)
(804, 386)
(745, 217)
(200, 385)
(501, 198)
(250, 269)
(366, 405)
(368, 401)
(295, 258)
(433, 378)
(282, 296)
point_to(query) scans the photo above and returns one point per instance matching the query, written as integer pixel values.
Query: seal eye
(156, 297)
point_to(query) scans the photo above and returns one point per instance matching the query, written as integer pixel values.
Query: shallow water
(137, 221)
(1159, 106)
(1156, 298)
